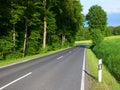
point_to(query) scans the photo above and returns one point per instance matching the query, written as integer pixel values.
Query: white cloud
(110, 6)
(112, 10)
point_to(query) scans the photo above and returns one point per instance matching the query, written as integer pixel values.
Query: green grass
(109, 51)
(89, 41)
(11, 61)
(83, 42)
(112, 37)
(108, 81)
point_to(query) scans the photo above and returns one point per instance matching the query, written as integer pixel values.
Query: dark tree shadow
(83, 45)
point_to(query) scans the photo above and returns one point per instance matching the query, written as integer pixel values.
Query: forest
(29, 27)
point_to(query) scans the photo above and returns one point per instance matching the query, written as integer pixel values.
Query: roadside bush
(97, 36)
(109, 51)
(14, 55)
(5, 48)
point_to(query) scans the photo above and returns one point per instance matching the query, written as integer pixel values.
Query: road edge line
(83, 72)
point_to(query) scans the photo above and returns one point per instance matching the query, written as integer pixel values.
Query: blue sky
(112, 7)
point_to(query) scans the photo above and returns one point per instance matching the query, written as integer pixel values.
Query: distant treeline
(84, 33)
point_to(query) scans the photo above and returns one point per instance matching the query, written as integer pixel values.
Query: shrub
(97, 36)
(14, 55)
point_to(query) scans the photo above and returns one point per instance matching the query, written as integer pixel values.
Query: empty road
(59, 71)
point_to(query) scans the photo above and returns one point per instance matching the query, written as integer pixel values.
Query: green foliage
(22, 25)
(83, 34)
(5, 47)
(109, 51)
(16, 13)
(68, 19)
(33, 43)
(97, 20)
(97, 36)
(14, 55)
(109, 31)
(116, 30)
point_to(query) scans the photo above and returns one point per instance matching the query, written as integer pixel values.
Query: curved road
(59, 71)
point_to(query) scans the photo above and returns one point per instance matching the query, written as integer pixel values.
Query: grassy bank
(109, 51)
(11, 61)
(108, 81)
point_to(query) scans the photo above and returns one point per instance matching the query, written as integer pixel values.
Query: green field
(112, 37)
(108, 81)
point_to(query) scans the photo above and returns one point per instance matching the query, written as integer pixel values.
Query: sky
(112, 8)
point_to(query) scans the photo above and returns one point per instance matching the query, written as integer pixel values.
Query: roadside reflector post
(100, 70)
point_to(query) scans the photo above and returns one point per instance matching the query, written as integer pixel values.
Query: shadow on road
(83, 45)
(93, 77)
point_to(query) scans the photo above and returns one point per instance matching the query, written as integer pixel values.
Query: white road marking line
(60, 57)
(15, 81)
(83, 74)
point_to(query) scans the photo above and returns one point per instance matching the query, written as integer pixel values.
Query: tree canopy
(25, 25)
(97, 18)
(97, 21)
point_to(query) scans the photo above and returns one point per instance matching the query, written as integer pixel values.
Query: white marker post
(100, 70)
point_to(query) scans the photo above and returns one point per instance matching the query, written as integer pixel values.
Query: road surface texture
(59, 71)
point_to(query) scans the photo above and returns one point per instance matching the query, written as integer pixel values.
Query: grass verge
(108, 81)
(11, 61)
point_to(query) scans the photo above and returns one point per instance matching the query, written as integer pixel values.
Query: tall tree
(97, 20)
(16, 15)
(68, 18)
(28, 4)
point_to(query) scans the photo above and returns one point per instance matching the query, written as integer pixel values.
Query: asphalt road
(59, 71)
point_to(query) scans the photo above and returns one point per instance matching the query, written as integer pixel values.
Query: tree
(97, 19)
(68, 20)
(45, 25)
(16, 14)
(28, 26)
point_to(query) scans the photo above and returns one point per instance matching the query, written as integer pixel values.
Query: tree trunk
(44, 33)
(25, 38)
(63, 40)
(45, 26)
(14, 38)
